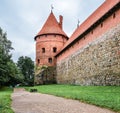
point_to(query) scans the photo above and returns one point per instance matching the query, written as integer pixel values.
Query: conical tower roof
(51, 26)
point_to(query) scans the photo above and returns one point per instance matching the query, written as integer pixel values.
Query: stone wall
(98, 63)
(46, 75)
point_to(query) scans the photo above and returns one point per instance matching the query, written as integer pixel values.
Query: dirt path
(26, 102)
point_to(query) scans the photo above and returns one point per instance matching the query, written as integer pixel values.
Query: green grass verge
(104, 96)
(5, 100)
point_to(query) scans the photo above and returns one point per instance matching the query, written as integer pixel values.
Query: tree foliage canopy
(9, 74)
(26, 66)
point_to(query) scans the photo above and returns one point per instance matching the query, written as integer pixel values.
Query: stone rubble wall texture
(97, 63)
(47, 76)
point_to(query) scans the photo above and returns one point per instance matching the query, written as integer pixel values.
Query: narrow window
(54, 49)
(101, 24)
(43, 50)
(50, 60)
(38, 61)
(114, 15)
(92, 32)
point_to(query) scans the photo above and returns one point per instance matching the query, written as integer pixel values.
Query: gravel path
(26, 102)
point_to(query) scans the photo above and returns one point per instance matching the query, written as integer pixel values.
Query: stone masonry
(98, 63)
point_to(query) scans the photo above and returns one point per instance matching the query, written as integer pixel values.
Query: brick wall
(48, 42)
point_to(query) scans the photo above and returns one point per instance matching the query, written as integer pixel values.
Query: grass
(103, 96)
(5, 100)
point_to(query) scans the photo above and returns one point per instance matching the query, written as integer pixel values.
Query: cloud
(23, 47)
(22, 19)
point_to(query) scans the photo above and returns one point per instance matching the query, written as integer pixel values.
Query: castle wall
(94, 59)
(91, 36)
(47, 75)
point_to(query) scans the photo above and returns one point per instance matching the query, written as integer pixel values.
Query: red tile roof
(102, 10)
(51, 26)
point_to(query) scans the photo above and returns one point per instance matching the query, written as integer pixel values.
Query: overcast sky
(23, 19)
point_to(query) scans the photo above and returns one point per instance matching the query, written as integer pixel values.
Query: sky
(23, 19)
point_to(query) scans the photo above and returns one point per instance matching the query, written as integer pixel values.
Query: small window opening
(43, 50)
(101, 24)
(38, 61)
(54, 49)
(50, 60)
(114, 15)
(92, 32)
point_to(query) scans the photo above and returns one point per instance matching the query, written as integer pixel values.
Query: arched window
(50, 60)
(43, 50)
(54, 49)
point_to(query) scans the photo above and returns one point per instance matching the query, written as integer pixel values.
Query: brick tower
(49, 41)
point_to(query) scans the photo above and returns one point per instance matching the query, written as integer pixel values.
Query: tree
(15, 75)
(5, 57)
(26, 66)
(9, 74)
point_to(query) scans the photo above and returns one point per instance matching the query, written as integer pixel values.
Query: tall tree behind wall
(26, 66)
